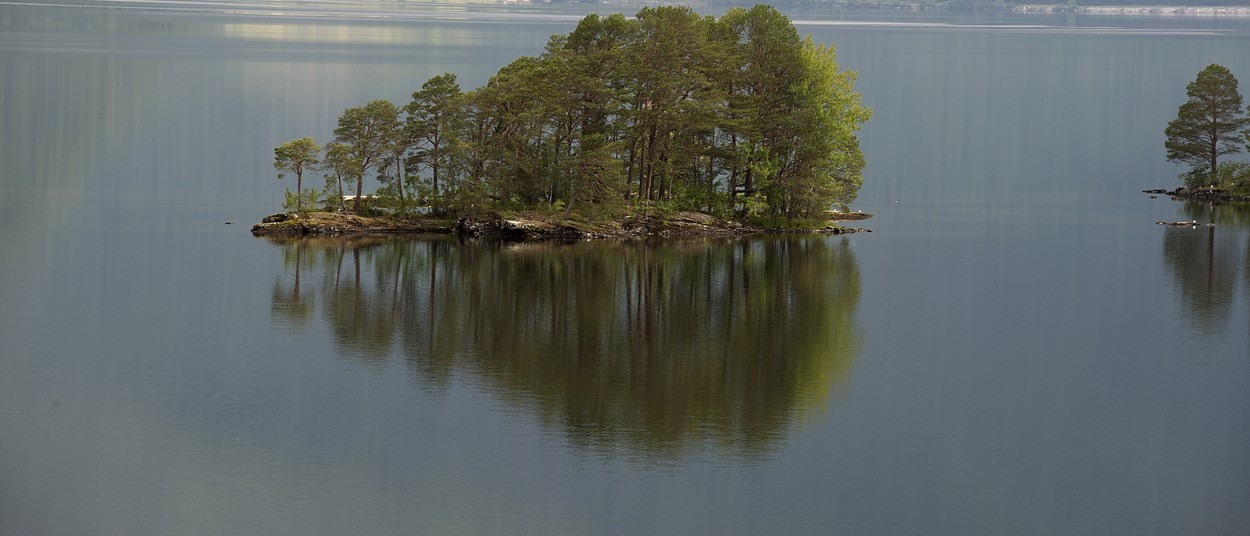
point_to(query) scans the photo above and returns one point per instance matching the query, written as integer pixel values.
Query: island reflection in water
(651, 348)
(1209, 262)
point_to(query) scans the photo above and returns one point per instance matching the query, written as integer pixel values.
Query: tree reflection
(1207, 262)
(655, 348)
(289, 301)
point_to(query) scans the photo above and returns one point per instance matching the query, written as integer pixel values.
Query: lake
(1017, 348)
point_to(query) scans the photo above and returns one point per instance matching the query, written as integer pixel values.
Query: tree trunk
(399, 179)
(572, 199)
(434, 165)
(733, 173)
(342, 204)
(360, 185)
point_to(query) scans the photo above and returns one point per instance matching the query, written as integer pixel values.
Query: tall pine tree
(1212, 123)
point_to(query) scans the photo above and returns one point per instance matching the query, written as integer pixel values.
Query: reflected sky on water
(1016, 349)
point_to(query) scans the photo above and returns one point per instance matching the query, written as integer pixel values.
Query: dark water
(1016, 349)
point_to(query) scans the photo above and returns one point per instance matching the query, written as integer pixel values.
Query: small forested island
(669, 122)
(1211, 124)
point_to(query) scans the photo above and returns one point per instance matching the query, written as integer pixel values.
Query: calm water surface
(1016, 349)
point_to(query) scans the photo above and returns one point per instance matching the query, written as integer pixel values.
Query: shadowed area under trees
(737, 116)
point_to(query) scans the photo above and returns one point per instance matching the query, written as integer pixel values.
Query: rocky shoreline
(529, 227)
(1205, 195)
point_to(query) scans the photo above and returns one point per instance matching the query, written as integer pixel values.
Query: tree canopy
(669, 110)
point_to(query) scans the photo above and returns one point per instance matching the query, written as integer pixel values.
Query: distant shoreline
(1239, 11)
(1148, 11)
(1025, 9)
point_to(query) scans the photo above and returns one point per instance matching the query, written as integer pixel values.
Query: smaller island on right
(1211, 124)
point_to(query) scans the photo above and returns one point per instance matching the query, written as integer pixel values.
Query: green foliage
(1231, 177)
(1234, 178)
(338, 165)
(1197, 178)
(1211, 124)
(298, 201)
(366, 134)
(668, 111)
(296, 156)
(434, 120)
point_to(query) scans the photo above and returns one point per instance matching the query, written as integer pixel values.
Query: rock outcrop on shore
(1206, 195)
(334, 223)
(521, 227)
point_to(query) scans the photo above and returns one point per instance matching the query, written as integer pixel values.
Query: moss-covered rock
(333, 223)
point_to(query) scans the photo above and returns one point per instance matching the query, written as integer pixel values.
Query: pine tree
(296, 156)
(1210, 124)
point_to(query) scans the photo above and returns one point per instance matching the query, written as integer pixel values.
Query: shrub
(310, 201)
(1233, 178)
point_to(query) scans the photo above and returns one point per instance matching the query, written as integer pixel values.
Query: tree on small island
(670, 110)
(1211, 124)
(367, 133)
(295, 156)
(433, 117)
